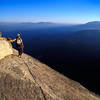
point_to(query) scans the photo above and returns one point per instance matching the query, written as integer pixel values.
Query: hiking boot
(19, 56)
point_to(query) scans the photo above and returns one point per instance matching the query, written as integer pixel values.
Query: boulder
(5, 48)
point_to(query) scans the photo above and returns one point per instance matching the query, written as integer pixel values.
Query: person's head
(18, 35)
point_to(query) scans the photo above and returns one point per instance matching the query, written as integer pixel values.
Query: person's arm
(13, 40)
(8, 39)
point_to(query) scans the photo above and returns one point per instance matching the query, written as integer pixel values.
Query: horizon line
(43, 22)
(70, 23)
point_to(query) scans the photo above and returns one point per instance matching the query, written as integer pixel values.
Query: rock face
(28, 79)
(5, 48)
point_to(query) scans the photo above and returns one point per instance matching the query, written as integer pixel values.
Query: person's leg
(20, 51)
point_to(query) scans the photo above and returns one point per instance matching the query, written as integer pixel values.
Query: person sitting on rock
(19, 45)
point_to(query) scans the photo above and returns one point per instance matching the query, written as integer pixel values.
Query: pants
(20, 49)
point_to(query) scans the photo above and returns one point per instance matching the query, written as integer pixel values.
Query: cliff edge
(28, 79)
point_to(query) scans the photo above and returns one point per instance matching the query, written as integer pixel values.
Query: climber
(19, 44)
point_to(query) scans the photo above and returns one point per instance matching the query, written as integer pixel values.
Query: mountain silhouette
(26, 26)
(94, 23)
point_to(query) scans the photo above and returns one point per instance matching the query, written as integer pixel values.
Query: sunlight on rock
(5, 48)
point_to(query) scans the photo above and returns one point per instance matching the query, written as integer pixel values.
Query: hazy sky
(65, 11)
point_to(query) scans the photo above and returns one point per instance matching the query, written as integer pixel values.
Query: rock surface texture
(28, 79)
(5, 48)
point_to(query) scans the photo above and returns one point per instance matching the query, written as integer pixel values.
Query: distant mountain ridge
(94, 22)
(7, 26)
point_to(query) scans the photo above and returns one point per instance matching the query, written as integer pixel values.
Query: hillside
(28, 79)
